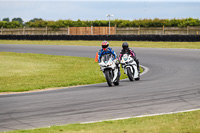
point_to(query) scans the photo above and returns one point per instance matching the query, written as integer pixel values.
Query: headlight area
(110, 63)
(130, 61)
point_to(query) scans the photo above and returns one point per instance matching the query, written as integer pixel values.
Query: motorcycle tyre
(108, 77)
(130, 74)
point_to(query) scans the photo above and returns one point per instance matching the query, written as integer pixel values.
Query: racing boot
(138, 66)
(119, 72)
(118, 67)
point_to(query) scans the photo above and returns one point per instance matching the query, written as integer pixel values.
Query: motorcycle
(130, 67)
(110, 69)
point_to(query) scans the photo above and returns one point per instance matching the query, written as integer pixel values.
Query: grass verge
(188, 122)
(190, 45)
(26, 72)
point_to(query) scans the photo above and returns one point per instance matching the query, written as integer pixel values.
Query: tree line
(38, 22)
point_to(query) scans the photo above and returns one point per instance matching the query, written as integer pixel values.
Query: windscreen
(106, 57)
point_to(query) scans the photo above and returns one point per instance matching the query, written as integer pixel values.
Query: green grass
(190, 45)
(188, 122)
(25, 72)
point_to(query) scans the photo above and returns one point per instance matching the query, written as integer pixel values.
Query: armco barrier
(172, 38)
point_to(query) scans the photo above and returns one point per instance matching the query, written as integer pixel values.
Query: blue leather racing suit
(107, 51)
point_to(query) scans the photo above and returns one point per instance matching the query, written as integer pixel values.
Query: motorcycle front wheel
(108, 77)
(130, 74)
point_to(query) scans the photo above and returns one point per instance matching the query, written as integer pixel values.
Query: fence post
(2, 30)
(68, 31)
(115, 29)
(163, 30)
(91, 30)
(187, 30)
(46, 30)
(139, 30)
(24, 30)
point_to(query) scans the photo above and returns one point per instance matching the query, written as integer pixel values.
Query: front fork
(114, 74)
(116, 71)
(134, 67)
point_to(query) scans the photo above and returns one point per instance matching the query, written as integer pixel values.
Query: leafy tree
(18, 19)
(166, 23)
(68, 23)
(35, 19)
(119, 23)
(3, 23)
(13, 24)
(125, 23)
(6, 19)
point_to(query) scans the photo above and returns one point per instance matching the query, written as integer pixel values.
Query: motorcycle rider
(107, 50)
(127, 50)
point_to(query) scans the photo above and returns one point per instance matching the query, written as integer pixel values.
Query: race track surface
(171, 84)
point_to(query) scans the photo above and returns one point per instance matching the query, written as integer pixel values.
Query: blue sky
(97, 10)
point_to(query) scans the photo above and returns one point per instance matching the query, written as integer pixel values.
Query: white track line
(146, 69)
(123, 118)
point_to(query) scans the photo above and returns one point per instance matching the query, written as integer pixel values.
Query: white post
(68, 31)
(115, 29)
(139, 30)
(24, 30)
(109, 25)
(109, 15)
(163, 30)
(187, 30)
(46, 31)
(91, 30)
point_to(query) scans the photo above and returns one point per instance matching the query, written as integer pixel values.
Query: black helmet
(125, 45)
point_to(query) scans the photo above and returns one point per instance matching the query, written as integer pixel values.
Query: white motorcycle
(110, 69)
(130, 67)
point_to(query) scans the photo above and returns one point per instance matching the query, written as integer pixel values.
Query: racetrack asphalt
(171, 84)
